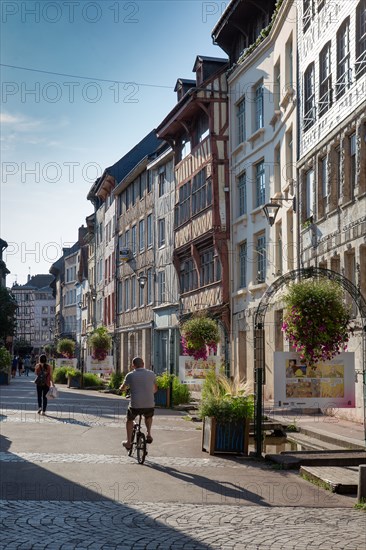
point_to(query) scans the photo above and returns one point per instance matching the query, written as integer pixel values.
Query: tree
(8, 307)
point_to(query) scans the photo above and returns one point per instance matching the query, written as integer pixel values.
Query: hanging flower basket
(101, 342)
(200, 336)
(316, 322)
(66, 347)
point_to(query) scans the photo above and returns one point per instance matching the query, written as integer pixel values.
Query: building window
(201, 192)
(240, 113)
(277, 85)
(260, 181)
(307, 11)
(243, 265)
(44, 310)
(161, 232)
(289, 64)
(343, 59)
(161, 287)
(361, 38)
(142, 181)
(352, 175)
(259, 107)
(325, 80)
(119, 297)
(207, 271)
(261, 258)
(133, 291)
(309, 97)
(188, 275)
(141, 235)
(127, 294)
(324, 176)
(149, 182)
(161, 182)
(309, 189)
(141, 292)
(149, 286)
(133, 240)
(183, 209)
(242, 192)
(149, 231)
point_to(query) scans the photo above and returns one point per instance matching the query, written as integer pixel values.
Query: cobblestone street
(67, 484)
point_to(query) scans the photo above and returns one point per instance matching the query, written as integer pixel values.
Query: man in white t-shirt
(142, 385)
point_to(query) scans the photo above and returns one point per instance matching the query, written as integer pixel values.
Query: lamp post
(271, 208)
(81, 362)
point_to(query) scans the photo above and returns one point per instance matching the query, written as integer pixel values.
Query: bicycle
(138, 442)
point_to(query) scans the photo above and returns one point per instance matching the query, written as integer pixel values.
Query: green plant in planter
(73, 373)
(199, 335)
(317, 321)
(101, 342)
(66, 347)
(164, 380)
(226, 400)
(5, 360)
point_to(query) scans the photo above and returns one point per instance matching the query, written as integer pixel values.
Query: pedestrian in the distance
(14, 366)
(43, 382)
(20, 365)
(27, 364)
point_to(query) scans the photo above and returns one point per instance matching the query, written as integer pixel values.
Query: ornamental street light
(271, 208)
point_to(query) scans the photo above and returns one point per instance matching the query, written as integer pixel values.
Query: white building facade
(332, 159)
(262, 99)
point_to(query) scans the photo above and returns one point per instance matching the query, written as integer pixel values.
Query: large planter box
(162, 397)
(73, 381)
(225, 437)
(4, 378)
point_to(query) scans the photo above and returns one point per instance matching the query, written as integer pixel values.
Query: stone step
(295, 459)
(341, 441)
(341, 480)
(310, 443)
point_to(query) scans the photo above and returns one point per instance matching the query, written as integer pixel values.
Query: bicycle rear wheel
(141, 448)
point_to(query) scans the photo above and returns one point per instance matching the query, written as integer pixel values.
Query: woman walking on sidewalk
(43, 380)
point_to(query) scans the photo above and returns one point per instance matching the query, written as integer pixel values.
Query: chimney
(81, 235)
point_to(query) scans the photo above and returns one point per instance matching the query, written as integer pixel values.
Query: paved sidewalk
(67, 484)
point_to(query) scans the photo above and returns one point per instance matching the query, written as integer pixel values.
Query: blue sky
(59, 132)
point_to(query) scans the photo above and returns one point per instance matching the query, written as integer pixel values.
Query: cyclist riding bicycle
(142, 385)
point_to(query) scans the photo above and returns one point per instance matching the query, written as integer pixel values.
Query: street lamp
(142, 280)
(271, 208)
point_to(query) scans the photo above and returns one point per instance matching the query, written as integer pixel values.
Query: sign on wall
(99, 367)
(194, 371)
(64, 362)
(329, 383)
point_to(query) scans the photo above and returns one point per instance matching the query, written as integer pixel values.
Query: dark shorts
(132, 413)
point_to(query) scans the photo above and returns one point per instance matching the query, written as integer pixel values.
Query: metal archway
(259, 364)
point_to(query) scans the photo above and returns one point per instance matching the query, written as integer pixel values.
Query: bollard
(361, 491)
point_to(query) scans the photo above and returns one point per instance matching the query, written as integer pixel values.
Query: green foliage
(8, 307)
(59, 375)
(361, 505)
(181, 393)
(100, 341)
(5, 360)
(92, 380)
(164, 380)
(74, 373)
(66, 347)
(116, 380)
(316, 321)
(226, 400)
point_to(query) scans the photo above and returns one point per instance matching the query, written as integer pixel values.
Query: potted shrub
(74, 378)
(226, 409)
(100, 342)
(317, 321)
(164, 382)
(66, 347)
(200, 335)
(5, 365)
